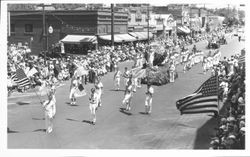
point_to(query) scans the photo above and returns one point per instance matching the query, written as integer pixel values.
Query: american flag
(203, 100)
(20, 78)
(241, 59)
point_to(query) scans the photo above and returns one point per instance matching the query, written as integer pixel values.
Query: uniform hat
(230, 119)
(232, 136)
(242, 129)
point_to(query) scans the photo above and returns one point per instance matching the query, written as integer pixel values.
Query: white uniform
(117, 79)
(149, 98)
(128, 97)
(93, 105)
(126, 75)
(49, 113)
(73, 89)
(171, 72)
(98, 91)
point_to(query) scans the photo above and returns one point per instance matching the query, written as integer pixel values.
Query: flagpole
(218, 101)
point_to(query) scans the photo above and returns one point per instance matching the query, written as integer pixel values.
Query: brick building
(27, 26)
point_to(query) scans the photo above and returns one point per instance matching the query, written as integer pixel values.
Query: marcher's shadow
(38, 130)
(22, 103)
(201, 73)
(69, 104)
(38, 118)
(120, 90)
(83, 121)
(87, 121)
(144, 113)
(123, 110)
(11, 131)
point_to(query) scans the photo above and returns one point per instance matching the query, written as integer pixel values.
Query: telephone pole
(112, 24)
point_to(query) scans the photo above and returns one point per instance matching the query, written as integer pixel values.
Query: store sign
(72, 29)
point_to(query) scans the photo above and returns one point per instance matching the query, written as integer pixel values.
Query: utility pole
(44, 30)
(112, 24)
(148, 22)
(44, 34)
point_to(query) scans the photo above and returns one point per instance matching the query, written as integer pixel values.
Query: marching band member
(73, 88)
(126, 76)
(49, 113)
(98, 90)
(204, 65)
(149, 98)
(117, 78)
(171, 71)
(93, 103)
(128, 95)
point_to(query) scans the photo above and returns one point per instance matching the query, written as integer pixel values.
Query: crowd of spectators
(230, 133)
(97, 62)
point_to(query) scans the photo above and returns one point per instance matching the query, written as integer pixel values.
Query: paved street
(165, 128)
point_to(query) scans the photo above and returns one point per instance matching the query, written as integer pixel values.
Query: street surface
(165, 128)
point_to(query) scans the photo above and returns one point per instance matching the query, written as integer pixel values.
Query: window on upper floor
(12, 28)
(28, 28)
(138, 20)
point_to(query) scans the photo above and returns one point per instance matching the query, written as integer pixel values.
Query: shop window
(12, 28)
(138, 20)
(28, 28)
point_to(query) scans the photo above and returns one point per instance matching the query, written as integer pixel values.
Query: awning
(183, 29)
(141, 35)
(118, 38)
(77, 39)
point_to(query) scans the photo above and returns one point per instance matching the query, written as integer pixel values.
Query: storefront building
(27, 27)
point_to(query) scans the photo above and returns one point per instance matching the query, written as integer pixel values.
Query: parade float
(156, 71)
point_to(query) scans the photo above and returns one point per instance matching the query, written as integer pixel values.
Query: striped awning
(77, 39)
(118, 38)
(183, 29)
(141, 35)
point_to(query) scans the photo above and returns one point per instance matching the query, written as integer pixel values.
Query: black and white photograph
(126, 75)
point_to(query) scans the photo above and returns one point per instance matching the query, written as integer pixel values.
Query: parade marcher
(204, 65)
(128, 95)
(126, 76)
(73, 88)
(93, 103)
(149, 98)
(99, 91)
(49, 113)
(172, 72)
(117, 78)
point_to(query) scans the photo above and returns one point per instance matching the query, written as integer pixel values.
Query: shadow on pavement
(83, 121)
(87, 121)
(37, 130)
(207, 131)
(69, 104)
(144, 113)
(22, 103)
(120, 90)
(11, 131)
(38, 118)
(122, 110)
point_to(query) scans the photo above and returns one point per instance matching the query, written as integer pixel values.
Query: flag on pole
(31, 72)
(138, 72)
(203, 100)
(80, 91)
(20, 78)
(241, 59)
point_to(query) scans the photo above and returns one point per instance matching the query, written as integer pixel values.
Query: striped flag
(20, 78)
(203, 100)
(241, 59)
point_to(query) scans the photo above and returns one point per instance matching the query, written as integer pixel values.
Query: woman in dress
(49, 113)
(93, 105)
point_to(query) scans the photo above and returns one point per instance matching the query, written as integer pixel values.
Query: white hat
(232, 136)
(242, 129)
